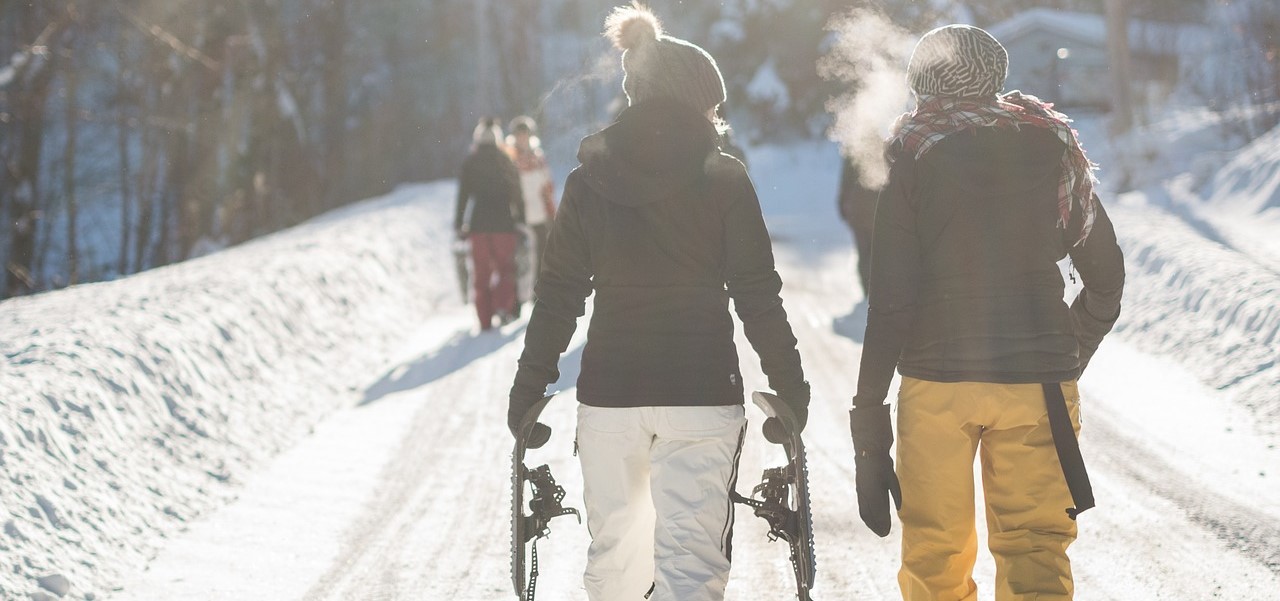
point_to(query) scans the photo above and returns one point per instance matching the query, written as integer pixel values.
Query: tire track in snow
(370, 565)
(474, 492)
(1253, 533)
(853, 563)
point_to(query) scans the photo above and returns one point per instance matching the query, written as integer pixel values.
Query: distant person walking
(665, 230)
(490, 186)
(857, 206)
(986, 193)
(538, 187)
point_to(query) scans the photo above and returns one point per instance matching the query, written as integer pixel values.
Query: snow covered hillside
(130, 407)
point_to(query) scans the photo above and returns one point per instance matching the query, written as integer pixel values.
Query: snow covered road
(404, 493)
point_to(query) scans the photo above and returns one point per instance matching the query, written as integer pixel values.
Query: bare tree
(71, 75)
(148, 175)
(26, 98)
(123, 97)
(333, 48)
(486, 96)
(1118, 51)
(518, 39)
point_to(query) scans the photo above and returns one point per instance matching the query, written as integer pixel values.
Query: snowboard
(460, 260)
(525, 274)
(782, 497)
(536, 490)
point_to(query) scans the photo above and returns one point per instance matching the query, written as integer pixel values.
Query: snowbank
(1249, 184)
(1211, 309)
(1243, 198)
(127, 407)
(1203, 288)
(1196, 163)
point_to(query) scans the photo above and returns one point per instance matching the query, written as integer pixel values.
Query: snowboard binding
(782, 497)
(768, 501)
(544, 502)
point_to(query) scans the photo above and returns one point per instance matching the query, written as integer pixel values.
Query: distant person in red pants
(490, 183)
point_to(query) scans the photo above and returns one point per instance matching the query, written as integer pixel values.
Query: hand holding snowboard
(798, 402)
(543, 499)
(540, 433)
(782, 497)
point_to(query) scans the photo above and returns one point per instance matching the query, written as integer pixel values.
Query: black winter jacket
(491, 179)
(665, 230)
(964, 280)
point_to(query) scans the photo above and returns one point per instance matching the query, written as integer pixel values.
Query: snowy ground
(399, 491)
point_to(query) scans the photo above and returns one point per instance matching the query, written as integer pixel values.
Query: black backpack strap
(1068, 447)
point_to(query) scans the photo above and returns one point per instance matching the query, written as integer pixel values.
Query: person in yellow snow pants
(988, 193)
(941, 426)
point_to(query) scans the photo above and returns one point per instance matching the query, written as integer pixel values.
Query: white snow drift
(126, 407)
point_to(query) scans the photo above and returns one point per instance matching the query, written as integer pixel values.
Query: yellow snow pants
(941, 426)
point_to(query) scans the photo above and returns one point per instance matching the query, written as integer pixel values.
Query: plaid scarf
(937, 117)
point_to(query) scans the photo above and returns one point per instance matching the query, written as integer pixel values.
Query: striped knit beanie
(958, 61)
(656, 65)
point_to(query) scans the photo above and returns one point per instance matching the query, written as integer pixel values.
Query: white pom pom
(631, 26)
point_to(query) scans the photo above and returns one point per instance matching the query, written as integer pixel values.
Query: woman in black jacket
(987, 192)
(665, 230)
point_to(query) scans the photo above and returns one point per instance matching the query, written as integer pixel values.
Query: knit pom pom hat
(958, 61)
(656, 65)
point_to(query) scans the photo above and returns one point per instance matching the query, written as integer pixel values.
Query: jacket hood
(654, 149)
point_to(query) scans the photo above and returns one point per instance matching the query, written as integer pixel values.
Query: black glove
(876, 481)
(516, 410)
(797, 399)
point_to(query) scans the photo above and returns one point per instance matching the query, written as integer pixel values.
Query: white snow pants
(656, 491)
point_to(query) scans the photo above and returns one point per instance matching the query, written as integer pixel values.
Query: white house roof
(1148, 37)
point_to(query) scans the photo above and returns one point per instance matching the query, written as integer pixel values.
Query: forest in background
(138, 133)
